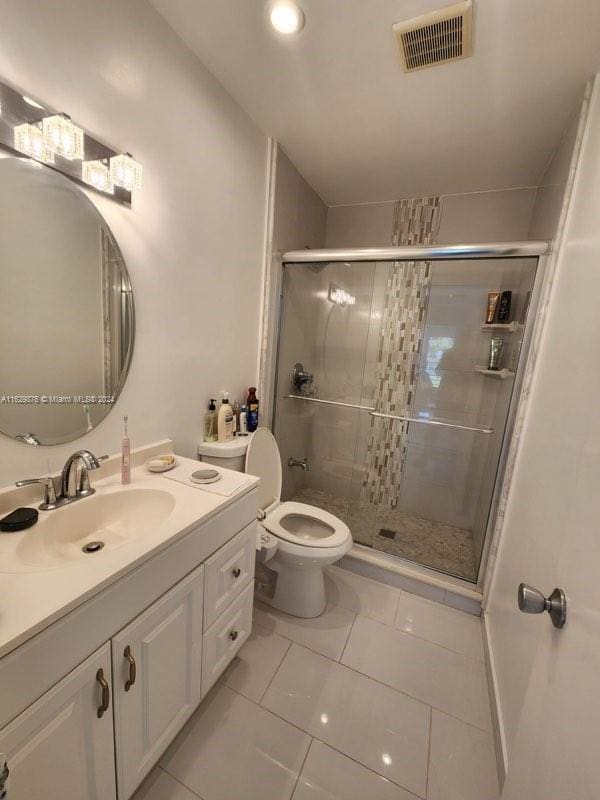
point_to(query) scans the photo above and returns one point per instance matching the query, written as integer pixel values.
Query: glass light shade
(63, 136)
(125, 171)
(97, 174)
(29, 140)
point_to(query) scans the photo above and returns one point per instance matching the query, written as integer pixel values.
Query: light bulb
(286, 17)
(97, 174)
(29, 140)
(63, 136)
(125, 171)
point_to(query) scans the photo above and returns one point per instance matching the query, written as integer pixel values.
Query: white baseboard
(495, 705)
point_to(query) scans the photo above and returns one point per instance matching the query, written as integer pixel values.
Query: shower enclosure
(383, 391)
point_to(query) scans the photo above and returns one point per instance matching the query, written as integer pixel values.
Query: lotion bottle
(210, 423)
(125, 456)
(225, 419)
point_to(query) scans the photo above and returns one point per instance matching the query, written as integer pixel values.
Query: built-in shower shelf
(507, 327)
(501, 374)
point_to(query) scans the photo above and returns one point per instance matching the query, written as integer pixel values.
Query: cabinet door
(59, 746)
(157, 664)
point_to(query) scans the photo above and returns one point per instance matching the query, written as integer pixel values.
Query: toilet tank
(230, 455)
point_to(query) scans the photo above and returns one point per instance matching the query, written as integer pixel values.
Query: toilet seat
(297, 523)
(305, 525)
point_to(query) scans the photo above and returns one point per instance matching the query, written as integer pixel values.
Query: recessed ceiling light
(286, 16)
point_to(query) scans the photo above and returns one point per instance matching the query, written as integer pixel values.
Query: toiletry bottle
(236, 417)
(125, 456)
(210, 422)
(225, 420)
(243, 421)
(252, 413)
(504, 307)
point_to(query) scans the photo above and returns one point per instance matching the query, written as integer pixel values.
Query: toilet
(297, 540)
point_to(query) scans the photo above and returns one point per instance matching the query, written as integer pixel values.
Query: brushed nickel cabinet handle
(105, 693)
(237, 572)
(233, 635)
(132, 668)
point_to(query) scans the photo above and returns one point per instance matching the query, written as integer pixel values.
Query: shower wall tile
(498, 216)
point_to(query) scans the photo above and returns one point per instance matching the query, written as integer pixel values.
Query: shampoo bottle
(125, 456)
(210, 423)
(225, 420)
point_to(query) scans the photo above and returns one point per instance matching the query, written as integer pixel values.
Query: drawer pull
(237, 572)
(105, 693)
(233, 635)
(132, 668)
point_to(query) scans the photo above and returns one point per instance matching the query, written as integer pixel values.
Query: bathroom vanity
(105, 655)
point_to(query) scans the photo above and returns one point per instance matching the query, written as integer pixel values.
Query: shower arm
(440, 423)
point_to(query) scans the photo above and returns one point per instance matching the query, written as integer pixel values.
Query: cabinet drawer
(222, 641)
(227, 572)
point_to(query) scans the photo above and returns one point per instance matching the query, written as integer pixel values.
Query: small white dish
(161, 463)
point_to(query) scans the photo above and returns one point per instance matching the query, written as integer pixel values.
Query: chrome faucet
(299, 462)
(70, 488)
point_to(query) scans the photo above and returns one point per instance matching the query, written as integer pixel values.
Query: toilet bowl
(308, 538)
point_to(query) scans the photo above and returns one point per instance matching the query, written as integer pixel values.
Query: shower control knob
(532, 601)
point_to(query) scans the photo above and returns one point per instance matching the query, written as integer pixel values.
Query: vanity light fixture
(286, 17)
(97, 174)
(29, 140)
(63, 136)
(340, 296)
(125, 171)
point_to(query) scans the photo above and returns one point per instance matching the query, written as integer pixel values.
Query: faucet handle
(49, 491)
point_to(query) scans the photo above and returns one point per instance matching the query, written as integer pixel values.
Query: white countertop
(32, 600)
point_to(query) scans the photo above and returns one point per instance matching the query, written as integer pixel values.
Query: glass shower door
(407, 444)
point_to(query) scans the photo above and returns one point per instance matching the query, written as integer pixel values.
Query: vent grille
(435, 38)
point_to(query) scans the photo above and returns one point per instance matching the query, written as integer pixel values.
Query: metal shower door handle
(532, 601)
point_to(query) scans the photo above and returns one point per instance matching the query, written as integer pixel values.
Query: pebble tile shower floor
(432, 544)
(383, 697)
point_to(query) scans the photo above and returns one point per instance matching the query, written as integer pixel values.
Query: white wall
(193, 241)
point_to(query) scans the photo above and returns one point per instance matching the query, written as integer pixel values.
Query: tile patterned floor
(382, 697)
(432, 544)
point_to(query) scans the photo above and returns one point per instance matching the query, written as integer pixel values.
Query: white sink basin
(105, 521)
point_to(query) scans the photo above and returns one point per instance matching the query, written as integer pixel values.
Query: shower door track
(446, 252)
(379, 415)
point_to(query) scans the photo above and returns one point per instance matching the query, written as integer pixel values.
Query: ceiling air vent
(435, 38)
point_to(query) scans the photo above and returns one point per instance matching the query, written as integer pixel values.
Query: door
(549, 679)
(60, 746)
(157, 664)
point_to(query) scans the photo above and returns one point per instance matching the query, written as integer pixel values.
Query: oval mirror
(66, 308)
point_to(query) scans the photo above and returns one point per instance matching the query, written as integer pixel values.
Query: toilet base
(299, 591)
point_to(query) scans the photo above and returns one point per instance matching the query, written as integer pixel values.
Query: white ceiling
(359, 129)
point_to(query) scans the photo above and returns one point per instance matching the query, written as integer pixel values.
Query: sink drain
(92, 547)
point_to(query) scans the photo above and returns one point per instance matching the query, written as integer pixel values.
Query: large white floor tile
(449, 681)
(328, 775)
(361, 595)
(461, 761)
(441, 625)
(160, 786)
(373, 724)
(233, 748)
(326, 634)
(252, 669)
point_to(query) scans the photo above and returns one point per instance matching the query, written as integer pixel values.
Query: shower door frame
(456, 252)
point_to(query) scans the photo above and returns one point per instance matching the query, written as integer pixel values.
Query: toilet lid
(264, 461)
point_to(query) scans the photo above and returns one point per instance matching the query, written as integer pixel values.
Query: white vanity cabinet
(62, 746)
(160, 637)
(157, 676)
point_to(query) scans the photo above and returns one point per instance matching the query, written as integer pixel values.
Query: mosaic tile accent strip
(416, 222)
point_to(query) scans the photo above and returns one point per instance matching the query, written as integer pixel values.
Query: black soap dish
(19, 520)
